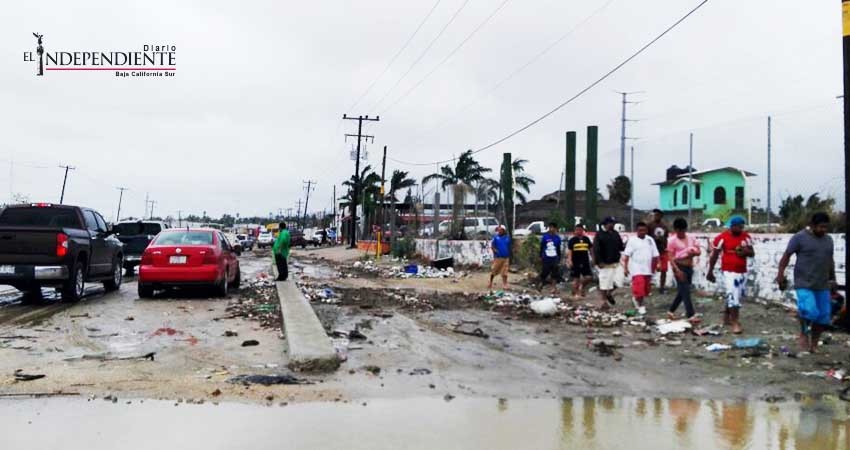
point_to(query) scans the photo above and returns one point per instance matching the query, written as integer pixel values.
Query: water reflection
(704, 424)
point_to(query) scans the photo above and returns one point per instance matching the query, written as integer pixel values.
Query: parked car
(246, 240)
(136, 236)
(189, 257)
(712, 223)
(265, 239)
(62, 246)
(538, 227)
(318, 237)
(234, 242)
(297, 239)
(480, 225)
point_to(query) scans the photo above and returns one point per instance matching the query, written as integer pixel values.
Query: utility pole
(845, 13)
(147, 202)
(769, 227)
(64, 182)
(310, 186)
(179, 218)
(153, 202)
(623, 137)
(691, 180)
(383, 198)
(632, 182)
(120, 198)
(356, 189)
(333, 223)
(298, 214)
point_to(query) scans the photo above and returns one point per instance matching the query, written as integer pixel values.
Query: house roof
(684, 176)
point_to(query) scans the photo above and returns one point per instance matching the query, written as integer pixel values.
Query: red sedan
(188, 257)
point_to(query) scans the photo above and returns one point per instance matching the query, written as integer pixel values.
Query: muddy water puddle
(427, 423)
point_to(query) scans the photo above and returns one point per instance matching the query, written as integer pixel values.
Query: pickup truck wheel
(114, 283)
(32, 296)
(75, 287)
(145, 291)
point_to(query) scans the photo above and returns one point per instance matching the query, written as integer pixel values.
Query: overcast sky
(259, 92)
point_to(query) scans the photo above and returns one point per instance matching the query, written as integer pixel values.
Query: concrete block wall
(762, 269)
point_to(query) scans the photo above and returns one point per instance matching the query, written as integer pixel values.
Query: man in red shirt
(735, 246)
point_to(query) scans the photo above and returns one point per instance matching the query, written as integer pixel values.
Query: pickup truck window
(137, 228)
(40, 217)
(490, 221)
(101, 224)
(184, 238)
(91, 222)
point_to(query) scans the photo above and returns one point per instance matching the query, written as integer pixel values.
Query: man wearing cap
(501, 246)
(733, 246)
(607, 247)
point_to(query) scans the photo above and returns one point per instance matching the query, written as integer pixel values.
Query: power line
(449, 56)
(576, 96)
(528, 63)
(393, 59)
(422, 55)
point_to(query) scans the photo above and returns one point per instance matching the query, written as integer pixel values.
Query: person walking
(550, 255)
(280, 252)
(578, 260)
(682, 248)
(659, 231)
(501, 246)
(814, 275)
(607, 249)
(733, 246)
(639, 258)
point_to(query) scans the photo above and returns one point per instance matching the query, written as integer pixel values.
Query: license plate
(7, 270)
(177, 260)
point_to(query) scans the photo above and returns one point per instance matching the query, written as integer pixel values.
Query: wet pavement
(427, 423)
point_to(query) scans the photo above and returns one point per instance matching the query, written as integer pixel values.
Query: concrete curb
(310, 348)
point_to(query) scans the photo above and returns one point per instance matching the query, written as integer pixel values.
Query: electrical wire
(449, 56)
(395, 57)
(574, 97)
(422, 55)
(521, 68)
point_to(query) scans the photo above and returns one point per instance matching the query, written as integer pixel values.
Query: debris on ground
(267, 380)
(469, 328)
(717, 347)
(230, 333)
(150, 356)
(257, 301)
(374, 370)
(21, 376)
(545, 307)
(749, 343)
(250, 343)
(420, 371)
(605, 347)
(666, 327)
(402, 271)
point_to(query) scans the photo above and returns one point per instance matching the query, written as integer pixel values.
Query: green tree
(522, 181)
(460, 179)
(399, 180)
(620, 190)
(796, 211)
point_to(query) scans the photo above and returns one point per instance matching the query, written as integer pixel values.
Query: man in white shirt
(641, 255)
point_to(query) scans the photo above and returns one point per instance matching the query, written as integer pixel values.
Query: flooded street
(427, 423)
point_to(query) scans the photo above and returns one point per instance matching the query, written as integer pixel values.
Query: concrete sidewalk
(310, 348)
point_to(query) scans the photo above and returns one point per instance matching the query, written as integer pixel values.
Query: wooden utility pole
(64, 182)
(845, 15)
(507, 182)
(591, 218)
(570, 182)
(310, 186)
(120, 198)
(356, 189)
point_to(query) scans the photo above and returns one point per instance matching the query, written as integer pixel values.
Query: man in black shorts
(578, 260)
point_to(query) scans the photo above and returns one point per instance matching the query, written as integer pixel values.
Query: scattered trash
(717, 347)
(267, 380)
(374, 370)
(420, 371)
(748, 343)
(529, 342)
(356, 335)
(712, 330)
(815, 373)
(675, 343)
(545, 307)
(443, 263)
(606, 347)
(21, 376)
(230, 333)
(216, 393)
(463, 328)
(448, 397)
(108, 357)
(250, 343)
(838, 374)
(676, 326)
(257, 301)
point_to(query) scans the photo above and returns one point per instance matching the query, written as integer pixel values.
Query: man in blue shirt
(550, 254)
(501, 246)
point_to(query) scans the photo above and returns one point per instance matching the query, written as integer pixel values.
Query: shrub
(404, 247)
(527, 253)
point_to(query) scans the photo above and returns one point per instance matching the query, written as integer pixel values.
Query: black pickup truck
(136, 236)
(62, 246)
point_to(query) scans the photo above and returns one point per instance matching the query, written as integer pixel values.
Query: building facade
(712, 192)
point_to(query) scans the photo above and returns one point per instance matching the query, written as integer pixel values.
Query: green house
(710, 191)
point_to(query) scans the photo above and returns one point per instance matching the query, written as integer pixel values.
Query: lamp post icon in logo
(40, 51)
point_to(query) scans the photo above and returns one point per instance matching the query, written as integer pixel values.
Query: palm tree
(487, 192)
(369, 191)
(522, 181)
(460, 178)
(399, 180)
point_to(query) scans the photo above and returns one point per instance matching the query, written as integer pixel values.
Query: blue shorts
(815, 305)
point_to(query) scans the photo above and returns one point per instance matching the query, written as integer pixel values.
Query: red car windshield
(184, 238)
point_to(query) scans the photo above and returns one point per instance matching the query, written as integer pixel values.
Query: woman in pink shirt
(682, 249)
